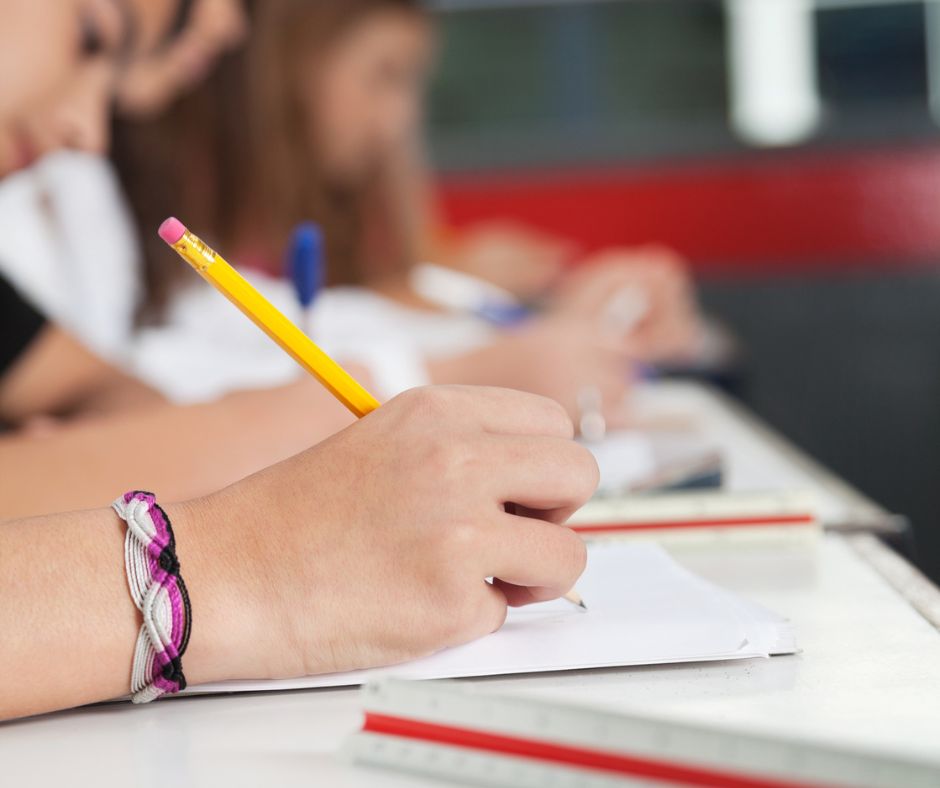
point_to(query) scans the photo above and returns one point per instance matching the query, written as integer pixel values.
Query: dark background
(845, 360)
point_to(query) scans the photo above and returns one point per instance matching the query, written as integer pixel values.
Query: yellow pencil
(216, 271)
(213, 268)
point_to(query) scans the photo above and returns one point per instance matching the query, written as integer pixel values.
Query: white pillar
(932, 30)
(772, 70)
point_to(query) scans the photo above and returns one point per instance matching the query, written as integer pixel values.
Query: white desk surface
(869, 674)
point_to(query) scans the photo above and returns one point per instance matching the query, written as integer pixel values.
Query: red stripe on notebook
(656, 525)
(566, 755)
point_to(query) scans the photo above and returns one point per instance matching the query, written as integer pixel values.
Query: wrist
(237, 627)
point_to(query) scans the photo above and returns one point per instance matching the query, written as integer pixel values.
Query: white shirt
(68, 244)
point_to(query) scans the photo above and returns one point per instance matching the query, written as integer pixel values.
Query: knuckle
(437, 459)
(470, 610)
(576, 555)
(498, 616)
(479, 615)
(409, 398)
(463, 538)
(428, 401)
(466, 611)
(450, 464)
(452, 627)
(585, 472)
(557, 420)
(457, 463)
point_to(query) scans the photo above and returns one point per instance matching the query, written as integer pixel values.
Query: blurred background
(790, 149)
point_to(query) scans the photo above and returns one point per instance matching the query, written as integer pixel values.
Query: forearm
(178, 452)
(58, 375)
(70, 624)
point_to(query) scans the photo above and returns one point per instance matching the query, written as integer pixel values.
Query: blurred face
(367, 93)
(151, 83)
(59, 63)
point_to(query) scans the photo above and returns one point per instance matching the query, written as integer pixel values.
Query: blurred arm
(178, 452)
(57, 375)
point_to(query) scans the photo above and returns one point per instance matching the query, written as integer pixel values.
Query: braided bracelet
(159, 592)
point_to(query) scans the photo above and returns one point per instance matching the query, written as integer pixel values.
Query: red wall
(750, 214)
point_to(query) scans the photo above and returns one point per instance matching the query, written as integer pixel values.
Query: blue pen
(306, 266)
(503, 315)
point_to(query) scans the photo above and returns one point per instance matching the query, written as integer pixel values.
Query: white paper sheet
(623, 458)
(643, 609)
(634, 460)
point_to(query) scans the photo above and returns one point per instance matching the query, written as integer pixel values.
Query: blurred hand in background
(644, 297)
(521, 260)
(151, 83)
(562, 357)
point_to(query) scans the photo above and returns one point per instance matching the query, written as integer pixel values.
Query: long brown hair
(240, 147)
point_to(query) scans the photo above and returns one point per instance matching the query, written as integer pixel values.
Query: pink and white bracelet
(153, 577)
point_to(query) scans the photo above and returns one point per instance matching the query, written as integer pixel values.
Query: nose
(82, 119)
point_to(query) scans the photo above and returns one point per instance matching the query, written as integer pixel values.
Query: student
(45, 251)
(371, 548)
(54, 391)
(326, 99)
(41, 111)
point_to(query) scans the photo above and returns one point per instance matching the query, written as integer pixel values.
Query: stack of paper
(643, 609)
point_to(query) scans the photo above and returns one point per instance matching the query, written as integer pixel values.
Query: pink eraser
(172, 230)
